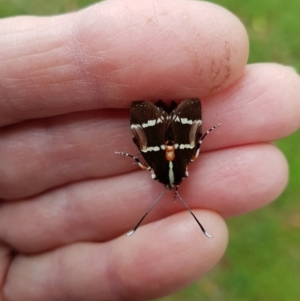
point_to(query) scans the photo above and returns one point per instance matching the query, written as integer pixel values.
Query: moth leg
(197, 150)
(142, 165)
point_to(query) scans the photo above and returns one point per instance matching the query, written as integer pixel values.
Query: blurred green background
(262, 261)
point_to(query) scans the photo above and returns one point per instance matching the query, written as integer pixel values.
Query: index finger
(102, 57)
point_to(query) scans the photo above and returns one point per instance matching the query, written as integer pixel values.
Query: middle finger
(74, 147)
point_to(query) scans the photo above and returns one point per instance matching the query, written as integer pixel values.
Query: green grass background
(262, 261)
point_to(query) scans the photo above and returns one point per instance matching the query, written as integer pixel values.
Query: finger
(106, 60)
(55, 151)
(230, 182)
(262, 106)
(125, 268)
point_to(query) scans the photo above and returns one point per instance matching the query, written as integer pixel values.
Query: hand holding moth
(169, 138)
(67, 199)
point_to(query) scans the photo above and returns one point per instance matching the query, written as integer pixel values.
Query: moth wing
(149, 124)
(186, 127)
(186, 123)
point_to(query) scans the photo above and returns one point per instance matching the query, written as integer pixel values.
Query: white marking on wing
(149, 123)
(183, 146)
(151, 149)
(186, 121)
(135, 126)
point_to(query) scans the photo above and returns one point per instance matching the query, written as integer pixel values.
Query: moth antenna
(151, 207)
(190, 211)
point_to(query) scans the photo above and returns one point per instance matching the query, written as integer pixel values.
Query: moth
(168, 138)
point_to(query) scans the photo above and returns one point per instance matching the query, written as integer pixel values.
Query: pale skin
(67, 200)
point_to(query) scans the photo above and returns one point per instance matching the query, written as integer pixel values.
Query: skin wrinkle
(273, 190)
(75, 48)
(57, 267)
(51, 141)
(78, 55)
(93, 77)
(245, 82)
(269, 102)
(221, 67)
(123, 289)
(116, 285)
(5, 252)
(4, 226)
(60, 136)
(90, 75)
(228, 48)
(231, 167)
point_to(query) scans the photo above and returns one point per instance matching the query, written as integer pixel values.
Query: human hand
(68, 200)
